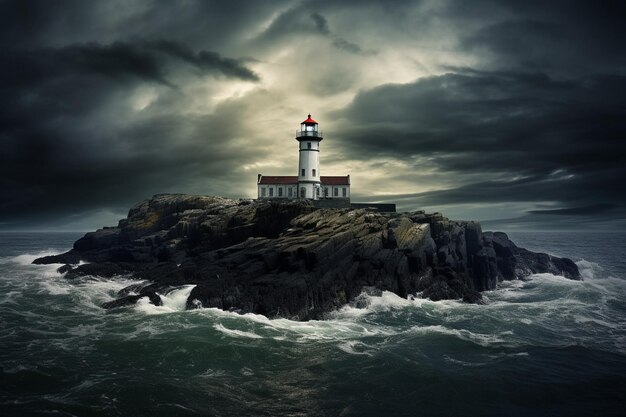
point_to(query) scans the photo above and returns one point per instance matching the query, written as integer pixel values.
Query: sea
(546, 346)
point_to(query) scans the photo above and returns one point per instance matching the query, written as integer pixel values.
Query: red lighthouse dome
(309, 121)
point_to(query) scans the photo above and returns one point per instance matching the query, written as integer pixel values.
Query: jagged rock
(287, 258)
(104, 269)
(519, 262)
(130, 295)
(440, 290)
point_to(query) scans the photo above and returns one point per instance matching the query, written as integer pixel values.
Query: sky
(508, 112)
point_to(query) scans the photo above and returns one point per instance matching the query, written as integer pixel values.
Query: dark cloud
(70, 145)
(320, 23)
(563, 138)
(566, 37)
(143, 60)
(206, 61)
(296, 21)
(439, 104)
(590, 210)
(322, 26)
(117, 60)
(60, 172)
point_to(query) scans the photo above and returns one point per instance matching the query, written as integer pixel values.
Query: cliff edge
(287, 258)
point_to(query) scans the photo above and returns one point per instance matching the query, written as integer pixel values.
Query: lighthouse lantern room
(309, 128)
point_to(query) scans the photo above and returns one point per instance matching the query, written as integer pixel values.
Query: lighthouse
(309, 137)
(308, 184)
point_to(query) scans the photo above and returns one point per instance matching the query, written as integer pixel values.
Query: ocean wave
(462, 334)
(11, 297)
(355, 347)
(538, 311)
(449, 359)
(28, 258)
(333, 329)
(54, 287)
(388, 301)
(173, 302)
(212, 373)
(236, 333)
(588, 269)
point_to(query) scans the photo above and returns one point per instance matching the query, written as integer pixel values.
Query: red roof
(335, 180)
(278, 180)
(266, 179)
(309, 121)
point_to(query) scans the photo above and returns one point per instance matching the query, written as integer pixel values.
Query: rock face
(287, 258)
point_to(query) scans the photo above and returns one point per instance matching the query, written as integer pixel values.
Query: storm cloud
(491, 110)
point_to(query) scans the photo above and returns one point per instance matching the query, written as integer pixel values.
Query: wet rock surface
(289, 259)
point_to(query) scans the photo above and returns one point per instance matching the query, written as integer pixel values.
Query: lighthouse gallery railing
(300, 133)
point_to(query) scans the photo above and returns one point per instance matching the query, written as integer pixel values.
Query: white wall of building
(277, 191)
(309, 190)
(335, 191)
(293, 191)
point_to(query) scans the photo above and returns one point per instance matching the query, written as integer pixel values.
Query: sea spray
(173, 301)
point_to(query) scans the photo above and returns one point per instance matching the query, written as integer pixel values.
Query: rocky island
(287, 258)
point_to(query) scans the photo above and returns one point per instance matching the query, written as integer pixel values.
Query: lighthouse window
(313, 172)
(317, 191)
(343, 191)
(280, 192)
(325, 191)
(336, 192)
(303, 172)
(308, 145)
(302, 192)
(271, 192)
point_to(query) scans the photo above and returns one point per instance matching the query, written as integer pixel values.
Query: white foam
(588, 270)
(245, 371)
(389, 301)
(174, 301)
(463, 334)
(28, 258)
(548, 278)
(236, 333)
(89, 293)
(353, 348)
(54, 287)
(84, 330)
(580, 319)
(153, 328)
(11, 297)
(450, 359)
(212, 373)
(331, 330)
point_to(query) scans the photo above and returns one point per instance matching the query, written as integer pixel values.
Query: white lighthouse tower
(309, 137)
